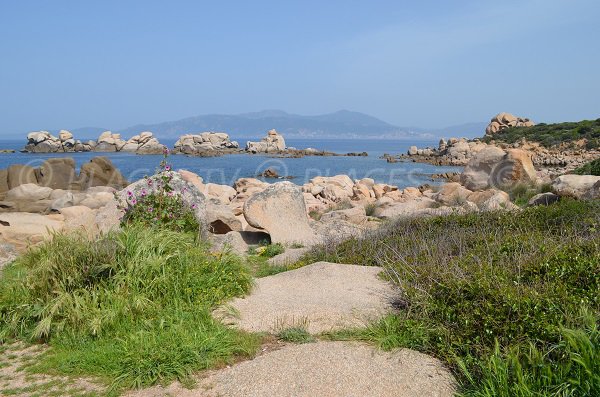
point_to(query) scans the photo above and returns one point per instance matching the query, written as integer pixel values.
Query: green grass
(591, 168)
(296, 335)
(132, 308)
(553, 134)
(480, 291)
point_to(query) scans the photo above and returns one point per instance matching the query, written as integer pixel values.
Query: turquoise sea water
(227, 169)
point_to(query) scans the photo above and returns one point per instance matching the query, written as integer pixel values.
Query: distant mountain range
(342, 124)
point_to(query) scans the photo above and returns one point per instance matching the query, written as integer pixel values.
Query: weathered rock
(577, 186)
(203, 143)
(543, 199)
(452, 194)
(100, 171)
(492, 167)
(57, 173)
(505, 120)
(20, 174)
(272, 143)
(25, 229)
(406, 209)
(231, 241)
(355, 215)
(4, 181)
(280, 210)
(28, 192)
(220, 219)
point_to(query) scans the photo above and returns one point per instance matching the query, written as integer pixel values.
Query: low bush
(591, 168)
(473, 282)
(159, 204)
(132, 307)
(553, 134)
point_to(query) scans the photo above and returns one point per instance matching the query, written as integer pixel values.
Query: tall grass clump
(133, 307)
(493, 292)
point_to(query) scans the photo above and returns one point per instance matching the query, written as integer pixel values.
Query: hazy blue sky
(112, 64)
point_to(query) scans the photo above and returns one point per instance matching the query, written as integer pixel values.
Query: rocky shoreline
(54, 198)
(205, 144)
(550, 162)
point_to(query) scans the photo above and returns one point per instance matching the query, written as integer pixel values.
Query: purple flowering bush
(159, 205)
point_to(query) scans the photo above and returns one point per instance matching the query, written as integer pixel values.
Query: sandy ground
(324, 369)
(320, 297)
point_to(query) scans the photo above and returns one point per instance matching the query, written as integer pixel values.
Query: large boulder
(577, 186)
(355, 215)
(100, 171)
(28, 192)
(4, 181)
(22, 229)
(492, 167)
(18, 174)
(280, 211)
(57, 173)
(452, 194)
(220, 219)
(406, 209)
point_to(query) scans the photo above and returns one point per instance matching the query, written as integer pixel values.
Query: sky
(429, 64)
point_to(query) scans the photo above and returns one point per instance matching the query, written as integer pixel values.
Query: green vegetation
(133, 307)
(591, 168)
(296, 335)
(511, 301)
(522, 192)
(159, 203)
(553, 134)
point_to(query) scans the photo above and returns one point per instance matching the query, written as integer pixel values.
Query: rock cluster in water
(205, 144)
(272, 143)
(45, 142)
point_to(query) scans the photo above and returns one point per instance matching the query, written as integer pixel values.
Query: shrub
(159, 204)
(553, 134)
(591, 168)
(133, 306)
(469, 282)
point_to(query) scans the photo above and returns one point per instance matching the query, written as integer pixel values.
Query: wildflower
(150, 209)
(149, 182)
(168, 167)
(144, 192)
(194, 206)
(129, 193)
(166, 151)
(134, 201)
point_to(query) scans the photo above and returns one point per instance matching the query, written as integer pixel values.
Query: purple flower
(194, 206)
(129, 193)
(166, 151)
(134, 201)
(171, 194)
(150, 209)
(144, 192)
(168, 167)
(149, 182)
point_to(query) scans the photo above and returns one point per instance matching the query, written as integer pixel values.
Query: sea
(227, 169)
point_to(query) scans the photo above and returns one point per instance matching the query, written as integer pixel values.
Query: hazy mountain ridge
(342, 124)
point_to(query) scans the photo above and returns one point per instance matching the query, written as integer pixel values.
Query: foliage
(296, 335)
(132, 307)
(160, 204)
(553, 134)
(271, 250)
(468, 283)
(591, 168)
